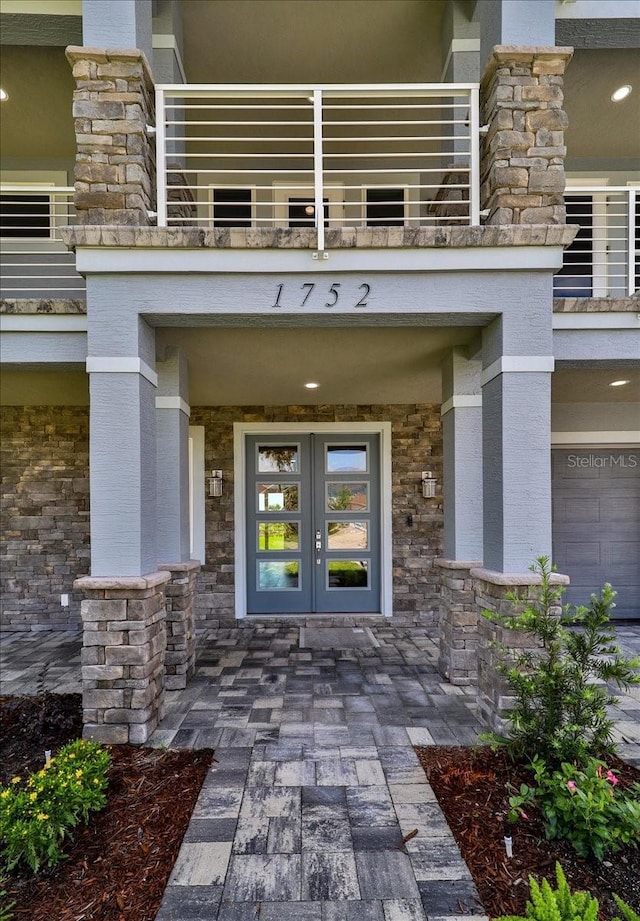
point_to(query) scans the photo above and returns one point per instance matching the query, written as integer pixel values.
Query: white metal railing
(34, 260)
(603, 260)
(319, 156)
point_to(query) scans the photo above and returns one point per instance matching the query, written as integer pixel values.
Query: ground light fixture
(618, 383)
(621, 93)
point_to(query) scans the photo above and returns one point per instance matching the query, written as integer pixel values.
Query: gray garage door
(596, 524)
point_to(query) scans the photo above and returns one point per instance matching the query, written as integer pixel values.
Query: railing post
(631, 231)
(317, 167)
(474, 156)
(161, 158)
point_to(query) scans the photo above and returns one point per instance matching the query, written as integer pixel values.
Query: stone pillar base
(458, 659)
(180, 659)
(491, 588)
(124, 643)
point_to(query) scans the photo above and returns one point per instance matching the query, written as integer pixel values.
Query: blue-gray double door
(313, 523)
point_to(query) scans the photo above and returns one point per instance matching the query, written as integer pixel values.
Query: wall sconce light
(215, 484)
(428, 484)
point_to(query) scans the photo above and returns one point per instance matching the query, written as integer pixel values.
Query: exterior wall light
(3, 95)
(429, 483)
(215, 484)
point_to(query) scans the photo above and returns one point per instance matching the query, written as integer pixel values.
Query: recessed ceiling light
(618, 383)
(3, 95)
(621, 93)
(311, 385)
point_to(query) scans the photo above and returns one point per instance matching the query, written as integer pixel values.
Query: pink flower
(523, 815)
(611, 777)
(571, 785)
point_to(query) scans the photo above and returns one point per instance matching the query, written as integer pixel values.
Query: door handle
(318, 540)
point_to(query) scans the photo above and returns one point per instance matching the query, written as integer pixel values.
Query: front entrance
(313, 523)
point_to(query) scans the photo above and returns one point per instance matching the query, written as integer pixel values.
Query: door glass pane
(347, 535)
(278, 575)
(278, 535)
(277, 497)
(346, 458)
(347, 497)
(347, 574)
(278, 459)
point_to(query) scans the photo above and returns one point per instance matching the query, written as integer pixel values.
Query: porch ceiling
(307, 41)
(593, 386)
(352, 365)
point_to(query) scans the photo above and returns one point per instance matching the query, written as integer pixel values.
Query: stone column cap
(75, 53)
(122, 583)
(517, 578)
(185, 566)
(527, 54)
(444, 563)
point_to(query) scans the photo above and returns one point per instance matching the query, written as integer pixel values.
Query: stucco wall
(45, 514)
(416, 445)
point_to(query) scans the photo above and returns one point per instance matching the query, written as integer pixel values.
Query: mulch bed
(471, 787)
(119, 864)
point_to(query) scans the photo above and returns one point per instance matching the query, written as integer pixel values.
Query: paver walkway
(317, 783)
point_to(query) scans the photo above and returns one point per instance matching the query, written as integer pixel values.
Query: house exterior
(313, 309)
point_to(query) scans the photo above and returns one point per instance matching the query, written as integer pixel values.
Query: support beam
(462, 439)
(172, 467)
(127, 26)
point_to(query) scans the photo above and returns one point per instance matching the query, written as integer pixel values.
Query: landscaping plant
(38, 813)
(560, 904)
(561, 699)
(584, 805)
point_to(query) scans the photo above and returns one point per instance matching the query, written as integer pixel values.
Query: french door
(313, 523)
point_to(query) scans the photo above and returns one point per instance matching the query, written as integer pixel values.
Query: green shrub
(628, 914)
(37, 815)
(560, 710)
(560, 904)
(586, 806)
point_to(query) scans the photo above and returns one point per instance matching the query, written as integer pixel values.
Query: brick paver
(317, 784)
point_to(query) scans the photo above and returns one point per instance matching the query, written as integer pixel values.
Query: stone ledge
(27, 305)
(121, 583)
(629, 304)
(186, 566)
(516, 578)
(453, 237)
(458, 564)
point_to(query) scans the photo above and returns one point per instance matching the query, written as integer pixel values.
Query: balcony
(319, 157)
(35, 262)
(604, 258)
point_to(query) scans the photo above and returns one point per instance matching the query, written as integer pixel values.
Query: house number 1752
(327, 297)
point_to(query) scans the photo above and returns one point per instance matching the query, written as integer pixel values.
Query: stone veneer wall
(416, 441)
(45, 514)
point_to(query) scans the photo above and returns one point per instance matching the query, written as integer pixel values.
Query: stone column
(180, 658)
(115, 160)
(491, 589)
(124, 642)
(522, 156)
(458, 659)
